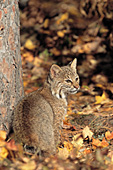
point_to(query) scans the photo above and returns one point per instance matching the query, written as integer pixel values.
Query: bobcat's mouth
(73, 91)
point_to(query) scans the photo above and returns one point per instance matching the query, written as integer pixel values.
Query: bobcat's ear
(54, 70)
(74, 64)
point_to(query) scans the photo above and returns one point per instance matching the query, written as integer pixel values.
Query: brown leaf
(92, 46)
(30, 165)
(55, 51)
(87, 151)
(11, 145)
(104, 143)
(63, 153)
(28, 56)
(87, 133)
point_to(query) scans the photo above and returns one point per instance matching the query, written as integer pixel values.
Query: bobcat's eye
(68, 81)
(76, 78)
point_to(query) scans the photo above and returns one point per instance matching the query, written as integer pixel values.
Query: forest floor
(57, 32)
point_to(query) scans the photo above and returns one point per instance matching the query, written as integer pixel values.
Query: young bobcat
(38, 117)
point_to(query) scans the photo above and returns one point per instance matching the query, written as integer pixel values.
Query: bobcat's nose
(76, 85)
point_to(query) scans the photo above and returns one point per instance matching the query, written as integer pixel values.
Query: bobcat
(38, 117)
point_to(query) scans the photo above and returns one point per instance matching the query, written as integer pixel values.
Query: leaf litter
(54, 32)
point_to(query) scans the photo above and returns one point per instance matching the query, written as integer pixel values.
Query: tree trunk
(11, 86)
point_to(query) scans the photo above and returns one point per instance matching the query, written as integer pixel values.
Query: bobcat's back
(39, 116)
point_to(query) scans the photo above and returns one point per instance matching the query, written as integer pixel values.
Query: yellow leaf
(81, 50)
(29, 45)
(25, 83)
(87, 133)
(103, 30)
(60, 34)
(79, 112)
(3, 153)
(100, 85)
(63, 18)
(2, 143)
(2, 135)
(77, 141)
(37, 61)
(28, 56)
(46, 23)
(100, 99)
(109, 135)
(68, 145)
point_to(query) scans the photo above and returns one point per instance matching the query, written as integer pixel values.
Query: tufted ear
(54, 70)
(74, 64)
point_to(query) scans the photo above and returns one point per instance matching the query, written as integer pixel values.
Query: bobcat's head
(64, 80)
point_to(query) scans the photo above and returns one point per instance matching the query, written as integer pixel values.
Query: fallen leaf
(110, 155)
(73, 153)
(87, 133)
(104, 143)
(25, 159)
(63, 153)
(29, 45)
(68, 145)
(11, 145)
(28, 56)
(25, 83)
(92, 46)
(100, 99)
(2, 143)
(62, 18)
(3, 153)
(100, 85)
(109, 135)
(87, 151)
(69, 111)
(46, 23)
(87, 47)
(60, 34)
(31, 165)
(37, 61)
(77, 141)
(55, 51)
(79, 113)
(2, 135)
(96, 142)
(73, 10)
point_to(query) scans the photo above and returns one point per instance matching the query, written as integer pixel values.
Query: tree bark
(11, 86)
